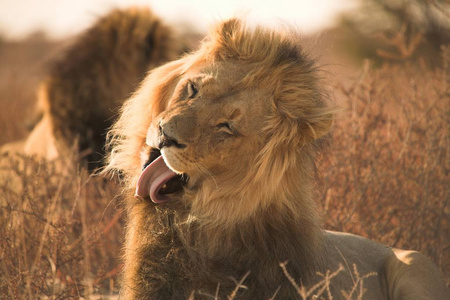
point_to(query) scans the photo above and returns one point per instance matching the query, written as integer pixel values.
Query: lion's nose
(165, 140)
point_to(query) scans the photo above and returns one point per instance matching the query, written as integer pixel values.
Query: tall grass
(61, 231)
(387, 174)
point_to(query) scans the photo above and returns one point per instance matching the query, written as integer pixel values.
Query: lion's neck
(252, 229)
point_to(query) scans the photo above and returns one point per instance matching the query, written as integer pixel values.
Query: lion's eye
(225, 127)
(191, 90)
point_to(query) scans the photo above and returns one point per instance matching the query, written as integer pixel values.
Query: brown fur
(87, 83)
(249, 201)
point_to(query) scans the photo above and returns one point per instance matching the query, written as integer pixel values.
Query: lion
(89, 81)
(216, 151)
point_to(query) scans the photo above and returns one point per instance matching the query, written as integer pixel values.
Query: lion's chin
(157, 181)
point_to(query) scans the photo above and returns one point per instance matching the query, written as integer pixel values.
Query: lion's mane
(230, 224)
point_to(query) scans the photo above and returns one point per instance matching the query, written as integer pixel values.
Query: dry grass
(319, 291)
(60, 235)
(386, 177)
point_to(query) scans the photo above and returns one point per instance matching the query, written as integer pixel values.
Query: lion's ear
(311, 119)
(227, 38)
(318, 127)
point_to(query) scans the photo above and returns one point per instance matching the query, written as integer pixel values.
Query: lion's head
(234, 121)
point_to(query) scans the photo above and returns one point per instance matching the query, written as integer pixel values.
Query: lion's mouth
(157, 181)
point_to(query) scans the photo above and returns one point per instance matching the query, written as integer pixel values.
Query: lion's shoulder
(411, 275)
(391, 272)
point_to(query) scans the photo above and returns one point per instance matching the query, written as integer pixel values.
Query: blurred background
(385, 175)
(340, 33)
(60, 18)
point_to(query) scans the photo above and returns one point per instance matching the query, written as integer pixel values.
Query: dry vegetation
(386, 177)
(413, 27)
(60, 234)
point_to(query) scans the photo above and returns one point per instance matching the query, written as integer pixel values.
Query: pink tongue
(154, 176)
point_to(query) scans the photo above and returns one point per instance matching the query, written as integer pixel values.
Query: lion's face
(212, 126)
(235, 123)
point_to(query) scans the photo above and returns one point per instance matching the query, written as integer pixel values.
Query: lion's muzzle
(165, 140)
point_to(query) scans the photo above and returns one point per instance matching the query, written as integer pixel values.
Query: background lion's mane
(89, 81)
